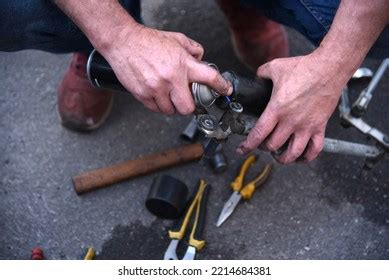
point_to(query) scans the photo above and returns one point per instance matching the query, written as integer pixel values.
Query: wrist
(335, 67)
(101, 21)
(112, 35)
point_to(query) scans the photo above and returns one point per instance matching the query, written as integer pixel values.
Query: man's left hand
(305, 93)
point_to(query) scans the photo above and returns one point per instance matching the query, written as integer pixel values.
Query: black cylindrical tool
(100, 73)
(191, 131)
(167, 197)
(218, 161)
(252, 93)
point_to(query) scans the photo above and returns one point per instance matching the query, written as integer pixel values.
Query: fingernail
(242, 150)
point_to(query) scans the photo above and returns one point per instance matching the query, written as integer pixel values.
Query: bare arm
(356, 27)
(101, 21)
(155, 66)
(307, 88)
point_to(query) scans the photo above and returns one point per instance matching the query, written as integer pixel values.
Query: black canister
(100, 73)
(167, 197)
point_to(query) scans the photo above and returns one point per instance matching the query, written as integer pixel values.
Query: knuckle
(150, 106)
(271, 146)
(309, 158)
(300, 150)
(186, 109)
(313, 154)
(296, 152)
(144, 98)
(319, 146)
(171, 110)
(168, 111)
(181, 36)
(280, 160)
(289, 159)
(183, 111)
(219, 81)
(167, 75)
(256, 132)
(265, 67)
(251, 143)
(201, 51)
(154, 85)
(274, 63)
(316, 150)
(273, 109)
(165, 107)
(153, 109)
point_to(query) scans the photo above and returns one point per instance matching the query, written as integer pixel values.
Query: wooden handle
(104, 177)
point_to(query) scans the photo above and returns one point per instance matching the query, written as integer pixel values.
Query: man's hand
(157, 68)
(307, 88)
(305, 94)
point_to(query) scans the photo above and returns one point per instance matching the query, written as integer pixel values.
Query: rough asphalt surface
(329, 209)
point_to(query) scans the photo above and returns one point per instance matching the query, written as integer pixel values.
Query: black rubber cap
(167, 197)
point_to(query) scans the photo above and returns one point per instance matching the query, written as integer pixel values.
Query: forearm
(355, 28)
(101, 21)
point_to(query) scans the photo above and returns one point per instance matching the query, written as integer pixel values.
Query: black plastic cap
(167, 197)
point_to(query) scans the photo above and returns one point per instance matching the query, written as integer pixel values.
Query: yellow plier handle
(179, 231)
(248, 190)
(237, 184)
(196, 238)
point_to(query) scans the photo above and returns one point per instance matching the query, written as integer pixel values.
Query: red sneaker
(81, 106)
(255, 38)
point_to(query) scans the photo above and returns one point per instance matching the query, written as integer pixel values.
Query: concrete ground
(328, 209)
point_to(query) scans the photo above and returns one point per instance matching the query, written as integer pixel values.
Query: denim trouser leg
(312, 18)
(39, 24)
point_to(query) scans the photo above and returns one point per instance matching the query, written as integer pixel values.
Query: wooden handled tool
(106, 176)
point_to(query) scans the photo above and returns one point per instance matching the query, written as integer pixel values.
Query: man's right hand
(157, 68)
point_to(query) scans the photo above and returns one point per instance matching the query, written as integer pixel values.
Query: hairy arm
(307, 88)
(101, 21)
(356, 27)
(155, 66)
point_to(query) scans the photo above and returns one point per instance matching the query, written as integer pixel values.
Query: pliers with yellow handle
(196, 241)
(246, 192)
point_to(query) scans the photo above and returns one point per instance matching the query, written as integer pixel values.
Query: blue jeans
(39, 24)
(312, 18)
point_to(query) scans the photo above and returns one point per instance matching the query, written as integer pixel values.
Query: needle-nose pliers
(246, 192)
